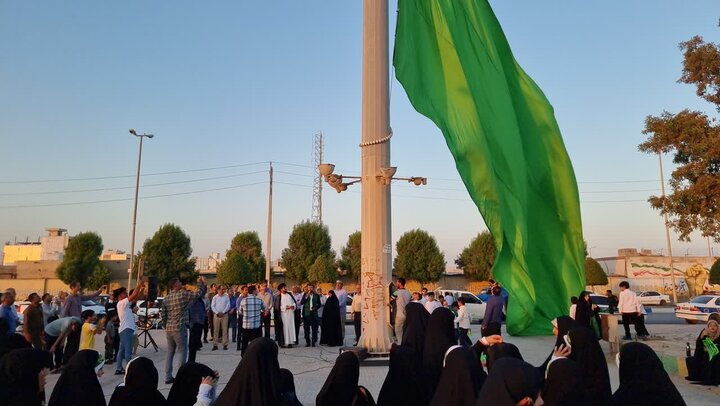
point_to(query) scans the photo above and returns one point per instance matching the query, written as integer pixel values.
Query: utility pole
(667, 230)
(376, 240)
(137, 189)
(709, 248)
(269, 229)
(317, 183)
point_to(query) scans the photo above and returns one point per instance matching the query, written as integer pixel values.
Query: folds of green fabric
(455, 64)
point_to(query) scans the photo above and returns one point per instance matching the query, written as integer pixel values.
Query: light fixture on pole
(137, 188)
(386, 176)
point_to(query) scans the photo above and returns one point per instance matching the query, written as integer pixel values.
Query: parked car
(601, 301)
(698, 308)
(474, 305)
(650, 297)
(153, 309)
(94, 306)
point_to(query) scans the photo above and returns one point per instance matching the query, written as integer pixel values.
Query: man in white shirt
(463, 321)
(220, 306)
(629, 307)
(423, 297)
(431, 303)
(127, 324)
(449, 299)
(403, 298)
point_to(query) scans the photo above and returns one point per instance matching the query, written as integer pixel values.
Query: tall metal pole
(269, 229)
(709, 248)
(132, 240)
(376, 240)
(667, 231)
(320, 180)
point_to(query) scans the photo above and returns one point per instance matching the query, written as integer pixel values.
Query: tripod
(145, 331)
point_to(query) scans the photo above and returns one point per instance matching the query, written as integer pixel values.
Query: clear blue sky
(228, 83)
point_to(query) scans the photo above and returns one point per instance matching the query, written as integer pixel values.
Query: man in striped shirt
(251, 308)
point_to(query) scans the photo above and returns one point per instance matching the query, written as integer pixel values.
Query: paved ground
(312, 365)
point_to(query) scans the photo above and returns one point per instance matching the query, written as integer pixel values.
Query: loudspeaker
(152, 290)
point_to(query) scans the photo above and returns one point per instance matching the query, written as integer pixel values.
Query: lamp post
(137, 188)
(667, 230)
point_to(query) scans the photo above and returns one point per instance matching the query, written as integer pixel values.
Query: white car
(650, 297)
(94, 306)
(474, 305)
(153, 310)
(698, 308)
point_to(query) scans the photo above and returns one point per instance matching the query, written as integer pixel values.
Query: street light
(386, 175)
(137, 188)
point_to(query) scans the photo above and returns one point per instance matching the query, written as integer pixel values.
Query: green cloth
(455, 64)
(711, 348)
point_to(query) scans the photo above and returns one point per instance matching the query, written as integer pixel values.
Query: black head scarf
(440, 336)
(562, 385)
(564, 325)
(461, 379)
(19, 370)
(510, 381)
(594, 376)
(643, 380)
(331, 330)
(583, 310)
(187, 383)
(287, 388)
(140, 385)
(501, 350)
(255, 381)
(78, 385)
(416, 324)
(404, 381)
(341, 386)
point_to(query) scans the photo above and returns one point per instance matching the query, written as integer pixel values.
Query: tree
(477, 259)
(307, 242)
(82, 257)
(100, 276)
(715, 273)
(244, 262)
(594, 274)
(418, 257)
(322, 270)
(350, 256)
(167, 255)
(693, 203)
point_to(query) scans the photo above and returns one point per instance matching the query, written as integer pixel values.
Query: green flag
(455, 64)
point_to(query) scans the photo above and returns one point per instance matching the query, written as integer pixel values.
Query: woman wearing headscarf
(562, 384)
(439, 337)
(404, 380)
(78, 385)
(22, 377)
(186, 387)
(341, 386)
(416, 323)
(643, 380)
(256, 380)
(139, 388)
(287, 389)
(594, 376)
(585, 311)
(461, 378)
(561, 327)
(703, 366)
(330, 330)
(501, 350)
(511, 382)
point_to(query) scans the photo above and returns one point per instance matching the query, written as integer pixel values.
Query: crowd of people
(432, 362)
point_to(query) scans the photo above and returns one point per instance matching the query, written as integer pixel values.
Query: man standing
(175, 319)
(297, 295)
(251, 309)
(239, 318)
(287, 315)
(266, 296)
(342, 296)
(198, 321)
(127, 324)
(629, 308)
(73, 303)
(33, 322)
(612, 301)
(233, 314)
(208, 301)
(431, 304)
(493, 314)
(356, 308)
(402, 300)
(8, 312)
(310, 304)
(449, 299)
(50, 309)
(424, 296)
(220, 306)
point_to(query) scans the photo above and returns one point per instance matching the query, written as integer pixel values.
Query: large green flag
(455, 64)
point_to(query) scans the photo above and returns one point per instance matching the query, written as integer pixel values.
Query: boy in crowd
(90, 329)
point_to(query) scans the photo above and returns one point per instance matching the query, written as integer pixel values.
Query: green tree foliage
(167, 255)
(322, 270)
(477, 259)
(694, 140)
(418, 257)
(307, 242)
(350, 256)
(244, 262)
(100, 276)
(594, 274)
(82, 257)
(715, 273)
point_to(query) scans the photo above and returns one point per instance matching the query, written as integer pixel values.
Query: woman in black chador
(341, 386)
(643, 380)
(330, 330)
(256, 380)
(461, 378)
(440, 336)
(78, 384)
(140, 385)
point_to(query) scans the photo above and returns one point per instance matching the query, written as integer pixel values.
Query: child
(110, 330)
(89, 330)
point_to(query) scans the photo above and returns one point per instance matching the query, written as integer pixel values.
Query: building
(50, 247)
(114, 255)
(209, 264)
